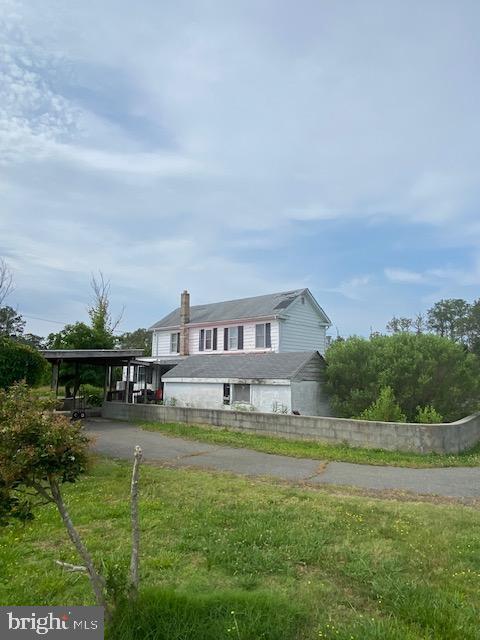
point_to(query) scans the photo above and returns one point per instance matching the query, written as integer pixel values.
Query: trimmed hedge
(20, 362)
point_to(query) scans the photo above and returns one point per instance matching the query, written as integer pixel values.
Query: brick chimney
(184, 321)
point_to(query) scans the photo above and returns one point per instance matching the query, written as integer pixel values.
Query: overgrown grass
(315, 450)
(291, 563)
(208, 616)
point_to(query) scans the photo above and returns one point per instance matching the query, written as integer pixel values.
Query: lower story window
(241, 393)
(226, 394)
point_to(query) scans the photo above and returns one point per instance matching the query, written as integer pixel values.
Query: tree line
(452, 318)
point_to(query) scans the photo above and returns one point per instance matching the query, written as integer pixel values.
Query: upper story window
(233, 338)
(175, 342)
(207, 339)
(263, 336)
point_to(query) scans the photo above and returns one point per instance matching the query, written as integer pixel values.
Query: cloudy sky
(240, 148)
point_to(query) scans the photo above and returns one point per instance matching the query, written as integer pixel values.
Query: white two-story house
(277, 322)
(262, 353)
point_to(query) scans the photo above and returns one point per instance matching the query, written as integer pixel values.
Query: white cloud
(314, 212)
(404, 276)
(32, 112)
(146, 164)
(446, 278)
(355, 288)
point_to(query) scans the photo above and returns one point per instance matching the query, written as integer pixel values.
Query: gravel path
(117, 439)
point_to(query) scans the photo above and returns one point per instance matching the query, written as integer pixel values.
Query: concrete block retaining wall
(393, 436)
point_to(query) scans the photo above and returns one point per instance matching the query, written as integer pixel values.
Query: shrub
(37, 446)
(421, 369)
(39, 451)
(385, 408)
(93, 395)
(428, 415)
(19, 361)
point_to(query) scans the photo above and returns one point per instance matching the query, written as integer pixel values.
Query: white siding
(302, 328)
(309, 399)
(209, 395)
(201, 395)
(161, 343)
(268, 397)
(161, 339)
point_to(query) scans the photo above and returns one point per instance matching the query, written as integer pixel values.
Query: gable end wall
(302, 329)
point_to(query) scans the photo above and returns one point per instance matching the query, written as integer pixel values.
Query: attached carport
(106, 358)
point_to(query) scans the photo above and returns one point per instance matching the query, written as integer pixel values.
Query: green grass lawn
(228, 557)
(315, 450)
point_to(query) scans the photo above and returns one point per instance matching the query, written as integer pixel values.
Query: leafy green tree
(393, 325)
(19, 362)
(421, 369)
(399, 325)
(473, 327)
(80, 336)
(31, 339)
(449, 319)
(428, 415)
(385, 408)
(138, 339)
(11, 323)
(418, 323)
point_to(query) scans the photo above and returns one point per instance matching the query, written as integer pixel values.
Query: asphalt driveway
(118, 439)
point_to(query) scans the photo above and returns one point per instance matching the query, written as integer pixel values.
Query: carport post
(54, 385)
(106, 382)
(127, 382)
(111, 386)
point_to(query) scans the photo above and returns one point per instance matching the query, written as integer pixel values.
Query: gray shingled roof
(282, 366)
(256, 307)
